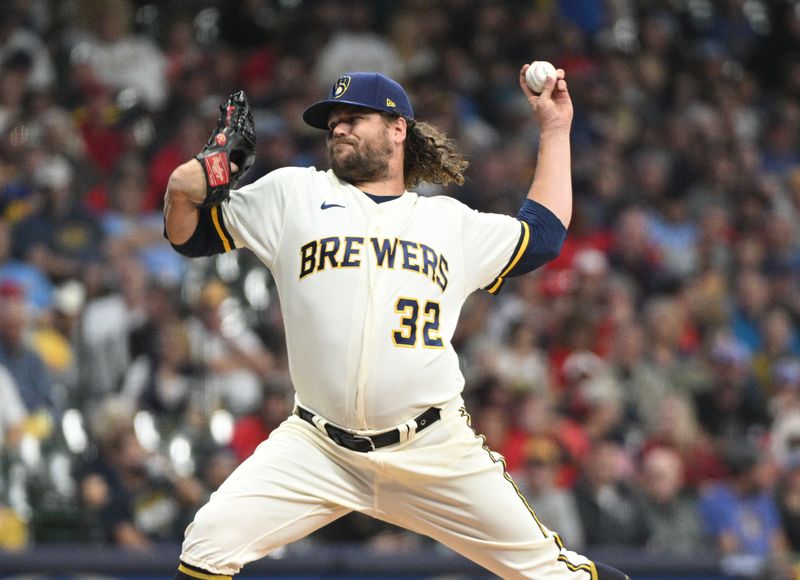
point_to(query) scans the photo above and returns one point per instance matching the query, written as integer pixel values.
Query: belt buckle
(350, 440)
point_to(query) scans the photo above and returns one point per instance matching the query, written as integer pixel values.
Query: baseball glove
(233, 141)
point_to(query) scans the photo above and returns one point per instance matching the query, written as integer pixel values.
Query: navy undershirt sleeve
(210, 236)
(547, 237)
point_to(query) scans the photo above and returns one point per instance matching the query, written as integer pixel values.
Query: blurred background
(644, 387)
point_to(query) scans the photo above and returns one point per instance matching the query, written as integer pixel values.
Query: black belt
(363, 443)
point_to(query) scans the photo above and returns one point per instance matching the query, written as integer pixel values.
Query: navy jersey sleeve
(547, 235)
(540, 239)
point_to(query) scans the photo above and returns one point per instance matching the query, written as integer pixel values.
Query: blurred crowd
(644, 388)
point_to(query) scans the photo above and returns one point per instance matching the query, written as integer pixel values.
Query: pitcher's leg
(476, 509)
(284, 491)
(493, 528)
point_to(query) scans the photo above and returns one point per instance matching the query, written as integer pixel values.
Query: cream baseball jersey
(370, 292)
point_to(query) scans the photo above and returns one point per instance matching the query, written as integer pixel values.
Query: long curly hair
(430, 156)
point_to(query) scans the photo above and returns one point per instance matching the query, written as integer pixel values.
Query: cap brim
(317, 114)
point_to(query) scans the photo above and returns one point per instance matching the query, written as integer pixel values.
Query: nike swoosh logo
(326, 205)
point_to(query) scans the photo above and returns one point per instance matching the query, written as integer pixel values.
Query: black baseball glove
(233, 141)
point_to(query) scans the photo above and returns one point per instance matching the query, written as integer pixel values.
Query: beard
(366, 161)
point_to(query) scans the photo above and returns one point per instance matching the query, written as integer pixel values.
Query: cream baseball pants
(443, 483)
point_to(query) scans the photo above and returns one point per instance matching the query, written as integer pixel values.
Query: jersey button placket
(373, 230)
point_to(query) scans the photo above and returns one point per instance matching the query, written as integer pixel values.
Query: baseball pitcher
(371, 278)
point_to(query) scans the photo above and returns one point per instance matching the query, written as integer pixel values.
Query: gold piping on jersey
(226, 242)
(201, 575)
(501, 460)
(588, 567)
(522, 245)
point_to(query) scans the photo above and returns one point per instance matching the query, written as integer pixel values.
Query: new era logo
(390, 103)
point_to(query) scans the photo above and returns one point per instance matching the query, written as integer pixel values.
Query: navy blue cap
(364, 89)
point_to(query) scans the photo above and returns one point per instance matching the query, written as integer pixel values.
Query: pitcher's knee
(211, 542)
(211, 522)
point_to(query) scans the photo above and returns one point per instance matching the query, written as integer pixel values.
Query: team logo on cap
(341, 86)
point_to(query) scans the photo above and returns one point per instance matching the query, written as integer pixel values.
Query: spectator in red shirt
(250, 430)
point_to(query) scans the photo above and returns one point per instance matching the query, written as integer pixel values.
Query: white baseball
(537, 74)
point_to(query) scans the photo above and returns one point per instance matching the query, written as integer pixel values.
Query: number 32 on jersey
(413, 326)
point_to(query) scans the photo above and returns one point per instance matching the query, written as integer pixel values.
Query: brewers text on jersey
(318, 255)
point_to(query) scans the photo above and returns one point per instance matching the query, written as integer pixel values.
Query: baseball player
(371, 278)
